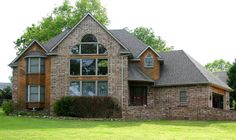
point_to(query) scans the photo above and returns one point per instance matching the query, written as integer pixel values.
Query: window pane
(102, 66)
(75, 49)
(75, 88)
(75, 67)
(89, 38)
(42, 65)
(34, 65)
(33, 94)
(89, 48)
(42, 94)
(88, 88)
(88, 66)
(148, 62)
(102, 88)
(102, 49)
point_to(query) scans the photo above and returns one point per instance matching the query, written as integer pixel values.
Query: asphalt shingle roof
(134, 45)
(135, 74)
(181, 69)
(52, 42)
(222, 76)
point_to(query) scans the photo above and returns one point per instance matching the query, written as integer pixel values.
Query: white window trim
(39, 65)
(29, 94)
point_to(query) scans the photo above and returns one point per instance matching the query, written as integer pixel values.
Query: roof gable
(30, 45)
(70, 31)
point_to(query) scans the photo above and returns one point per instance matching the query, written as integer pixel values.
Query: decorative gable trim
(152, 50)
(102, 26)
(34, 41)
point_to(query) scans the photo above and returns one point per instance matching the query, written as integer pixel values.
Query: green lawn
(33, 128)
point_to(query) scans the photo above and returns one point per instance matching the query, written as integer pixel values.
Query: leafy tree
(6, 93)
(218, 65)
(148, 36)
(232, 83)
(62, 17)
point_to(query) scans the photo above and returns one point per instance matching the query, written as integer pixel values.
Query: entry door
(138, 96)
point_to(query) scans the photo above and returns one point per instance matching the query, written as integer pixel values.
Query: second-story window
(89, 45)
(148, 61)
(36, 65)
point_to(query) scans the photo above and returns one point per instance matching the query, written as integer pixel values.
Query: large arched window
(148, 61)
(89, 45)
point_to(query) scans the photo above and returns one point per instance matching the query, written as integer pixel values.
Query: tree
(218, 65)
(148, 36)
(232, 83)
(6, 93)
(62, 17)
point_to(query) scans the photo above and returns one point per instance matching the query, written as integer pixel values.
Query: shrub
(87, 107)
(8, 107)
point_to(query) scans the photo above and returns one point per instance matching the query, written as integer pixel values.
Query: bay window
(35, 93)
(36, 65)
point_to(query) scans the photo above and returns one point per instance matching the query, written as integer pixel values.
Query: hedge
(87, 107)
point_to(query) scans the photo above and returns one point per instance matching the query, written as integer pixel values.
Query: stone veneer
(117, 68)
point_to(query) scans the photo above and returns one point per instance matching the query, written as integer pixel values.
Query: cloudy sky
(205, 29)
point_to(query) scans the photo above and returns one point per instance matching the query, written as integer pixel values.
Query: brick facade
(162, 102)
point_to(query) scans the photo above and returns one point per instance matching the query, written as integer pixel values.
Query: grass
(12, 128)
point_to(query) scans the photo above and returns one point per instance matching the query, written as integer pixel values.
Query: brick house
(90, 60)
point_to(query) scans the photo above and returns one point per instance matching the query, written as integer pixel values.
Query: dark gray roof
(134, 45)
(4, 85)
(222, 76)
(135, 74)
(52, 42)
(181, 69)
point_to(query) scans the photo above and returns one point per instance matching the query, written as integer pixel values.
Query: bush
(87, 107)
(8, 107)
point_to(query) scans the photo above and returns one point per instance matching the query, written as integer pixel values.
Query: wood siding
(25, 79)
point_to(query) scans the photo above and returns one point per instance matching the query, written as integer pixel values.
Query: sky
(205, 29)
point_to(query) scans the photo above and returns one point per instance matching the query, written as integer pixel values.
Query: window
(88, 66)
(102, 67)
(138, 96)
(217, 100)
(36, 65)
(88, 88)
(102, 88)
(75, 67)
(75, 88)
(183, 97)
(35, 93)
(89, 45)
(148, 61)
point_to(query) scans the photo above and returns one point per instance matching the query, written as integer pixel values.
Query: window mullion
(97, 49)
(80, 73)
(96, 66)
(96, 91)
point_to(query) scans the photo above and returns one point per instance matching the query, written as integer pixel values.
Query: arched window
(89, 45)
(148, 61)
(89, 38)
